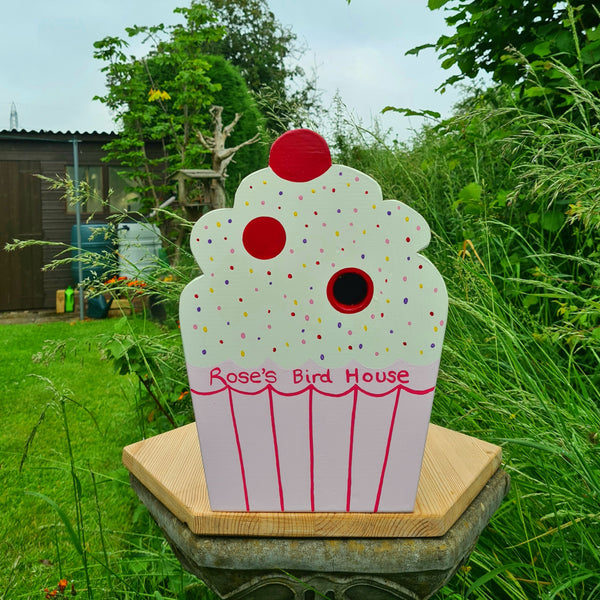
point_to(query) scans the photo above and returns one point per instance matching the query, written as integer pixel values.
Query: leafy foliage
(234, 98)
(265, 52)
(160, 99)
(540, 32)
(255, 42)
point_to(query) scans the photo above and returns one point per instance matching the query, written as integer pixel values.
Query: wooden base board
(455, 469)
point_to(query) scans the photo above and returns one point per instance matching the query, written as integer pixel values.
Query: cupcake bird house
(312, 339)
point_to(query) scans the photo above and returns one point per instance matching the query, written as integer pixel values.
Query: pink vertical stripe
(312, 449)
(239, 448)
(350, 452)
(276, 449)
(387, 452)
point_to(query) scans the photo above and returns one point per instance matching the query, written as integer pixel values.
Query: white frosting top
(333, 275)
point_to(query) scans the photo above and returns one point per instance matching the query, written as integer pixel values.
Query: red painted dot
(300, 155)
(241, 299)
(274, 349)
(431, 314)
(318, 337)
(293, 314)
(264, 238)
(420, 266)
(408, 239)
(289, 275)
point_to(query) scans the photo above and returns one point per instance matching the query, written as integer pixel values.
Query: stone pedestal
(305, 556)
(284, 568)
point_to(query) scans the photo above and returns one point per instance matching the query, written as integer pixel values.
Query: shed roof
(54, 136)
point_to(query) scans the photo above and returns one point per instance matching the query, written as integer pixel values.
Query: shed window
(91, 188)
(99, 184)
(121, 197)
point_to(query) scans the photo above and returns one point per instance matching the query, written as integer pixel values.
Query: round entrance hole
(350, 290)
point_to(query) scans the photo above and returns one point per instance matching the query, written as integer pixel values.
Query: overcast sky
(358, 50)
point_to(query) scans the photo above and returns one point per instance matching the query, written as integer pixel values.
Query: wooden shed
(29, 209)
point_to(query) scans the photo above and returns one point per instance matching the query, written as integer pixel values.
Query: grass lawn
(97, 407)
(497, 382)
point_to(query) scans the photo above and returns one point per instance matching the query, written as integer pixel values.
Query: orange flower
(62, 585)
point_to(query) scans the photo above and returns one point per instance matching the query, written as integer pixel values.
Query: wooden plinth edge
(455, 469)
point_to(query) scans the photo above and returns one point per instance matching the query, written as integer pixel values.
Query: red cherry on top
(299, 155)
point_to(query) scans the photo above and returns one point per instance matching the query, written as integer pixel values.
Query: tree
(255, 42)
(518, 42)
(235, 99)
(262, 48)
(162, 100)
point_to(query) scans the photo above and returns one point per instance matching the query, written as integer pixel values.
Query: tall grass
(512, 199)
(66, 509)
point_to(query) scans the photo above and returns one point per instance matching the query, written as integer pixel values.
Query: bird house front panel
(312, 339)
